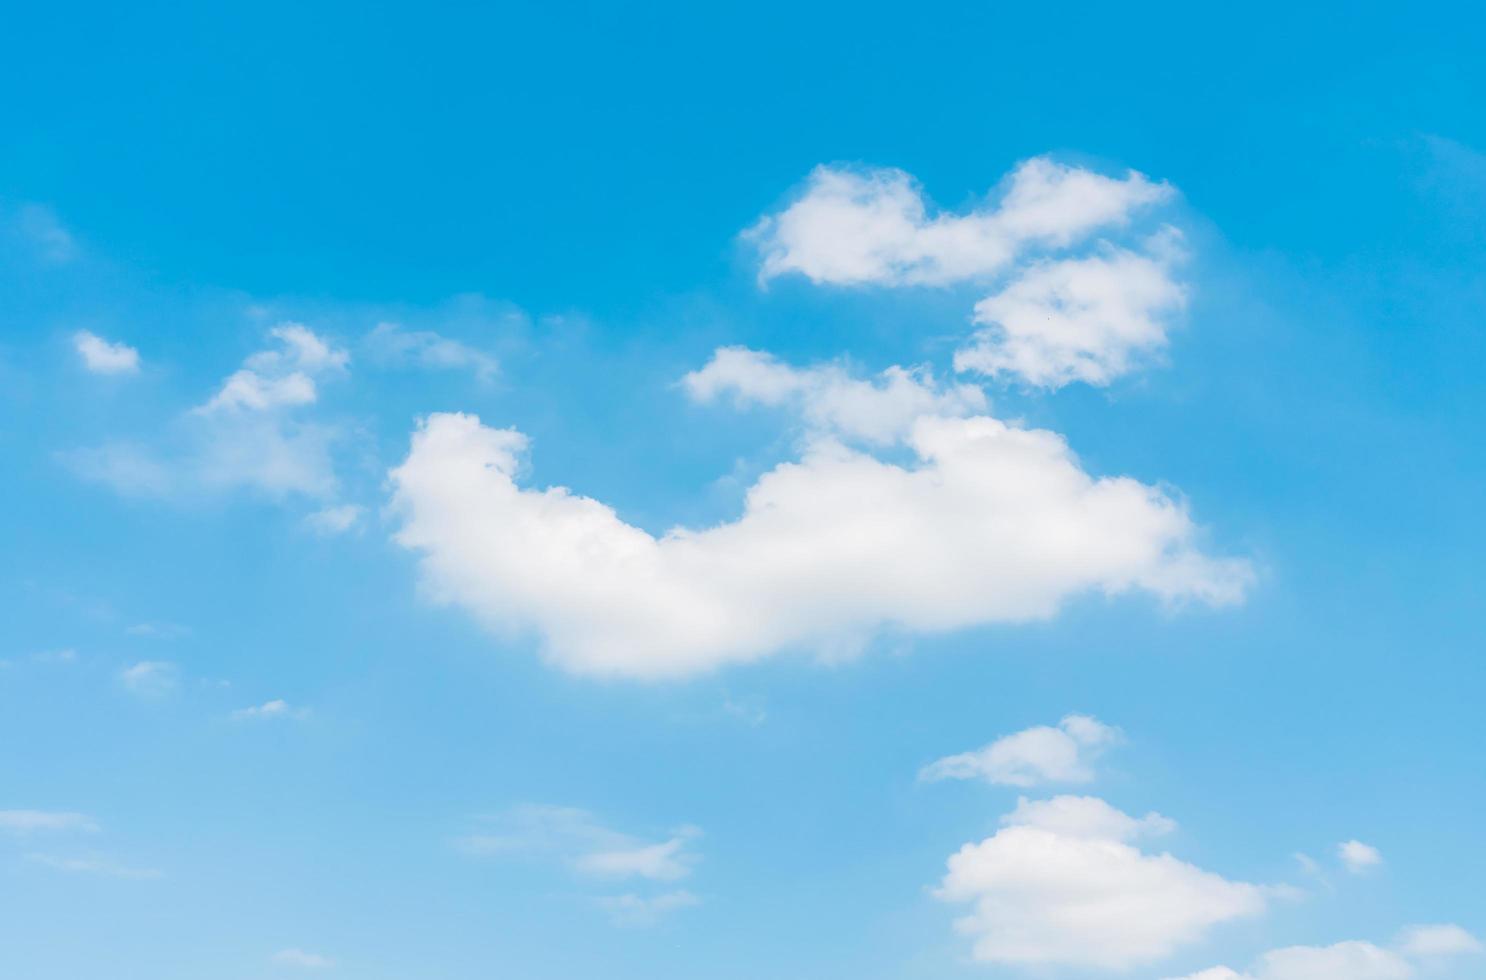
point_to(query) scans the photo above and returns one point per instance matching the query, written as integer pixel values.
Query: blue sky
(1073, 425)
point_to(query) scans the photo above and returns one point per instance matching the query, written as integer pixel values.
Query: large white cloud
(1063, 884)
(1042, 754)
(990, 522)
(1069, 305)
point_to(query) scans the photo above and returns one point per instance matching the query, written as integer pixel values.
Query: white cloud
(1358, 857)
(666, 861)
(104, 357)
(1343, 961)
(390, 344)
(150, 678)
(94, 866)
(1437, 941)
(269, 710)
(1086, 319)
(632, 909)
(1088, 817)
(1066, 308)
(580, 841)
(301, 958)
(338, 519)
(279, 378)
(880, 412)
(989, 523)
(245, 436)
(873, 226)
(1356, 960)
(45, 821)
(1038, 755)
(1061, 884)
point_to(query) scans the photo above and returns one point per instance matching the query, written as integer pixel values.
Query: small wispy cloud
(577, 840)
(45, 821)
(303, 959)
(150, 679)
(101, 356)
(270, 710)
(330, 521)
(1358, 857)
(391, 345)
(158, 631)
(66, 655)
(94, 866)
(632, 909)
(1033, 756)
(40, 225)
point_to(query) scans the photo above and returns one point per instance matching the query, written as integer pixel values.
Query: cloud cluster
(1068, 305)
(1063, 883)
(1034, 756)
(245, 436)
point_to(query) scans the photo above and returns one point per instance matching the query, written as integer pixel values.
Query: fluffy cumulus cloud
(101, 356)
(247, 435)
(1042, 754)
(854, 227)
(1085, 319)
(984, 522)
(1069, 304)
(1064, 883)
